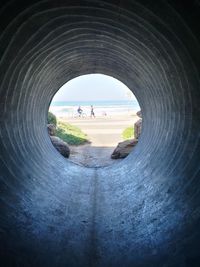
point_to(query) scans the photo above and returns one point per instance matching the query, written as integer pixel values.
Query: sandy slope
(104, 134)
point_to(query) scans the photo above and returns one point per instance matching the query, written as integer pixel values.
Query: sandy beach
(104, 134)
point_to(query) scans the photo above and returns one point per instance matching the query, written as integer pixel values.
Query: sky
(93, 87)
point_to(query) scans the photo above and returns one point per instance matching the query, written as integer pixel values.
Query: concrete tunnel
(143, 211)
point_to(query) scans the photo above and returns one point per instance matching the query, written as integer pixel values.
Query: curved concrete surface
(143, 211)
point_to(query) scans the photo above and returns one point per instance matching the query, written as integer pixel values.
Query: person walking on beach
(92, 112)
(80, 111)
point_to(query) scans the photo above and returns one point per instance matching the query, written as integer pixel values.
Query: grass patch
(70, 134)
(52, 118)
(128, 133)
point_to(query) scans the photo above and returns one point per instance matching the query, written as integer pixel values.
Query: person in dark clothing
(92, 112)
(80, 111)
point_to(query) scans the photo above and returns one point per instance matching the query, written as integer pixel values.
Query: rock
(123, 149)
(51, 129)
(137, 128)
(61, 146)
(139, 114)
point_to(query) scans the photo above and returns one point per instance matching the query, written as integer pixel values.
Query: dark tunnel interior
(144, 211)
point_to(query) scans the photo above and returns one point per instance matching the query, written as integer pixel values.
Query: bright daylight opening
(94, 120)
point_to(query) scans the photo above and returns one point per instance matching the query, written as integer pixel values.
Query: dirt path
(104, 134)
(91, 156)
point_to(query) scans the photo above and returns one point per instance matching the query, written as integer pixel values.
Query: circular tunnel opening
(143, 211)
(97, 117)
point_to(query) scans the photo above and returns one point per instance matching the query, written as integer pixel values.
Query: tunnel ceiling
(143, 211)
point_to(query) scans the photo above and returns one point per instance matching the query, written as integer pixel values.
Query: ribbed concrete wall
(143, 211)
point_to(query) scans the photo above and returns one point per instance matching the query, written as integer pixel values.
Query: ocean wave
(99, 110)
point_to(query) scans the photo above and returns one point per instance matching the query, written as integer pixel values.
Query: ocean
(101, 108)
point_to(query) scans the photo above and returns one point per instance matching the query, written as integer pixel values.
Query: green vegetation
(67, 132)
(128, 133)
(51, 119)
(70, 134)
